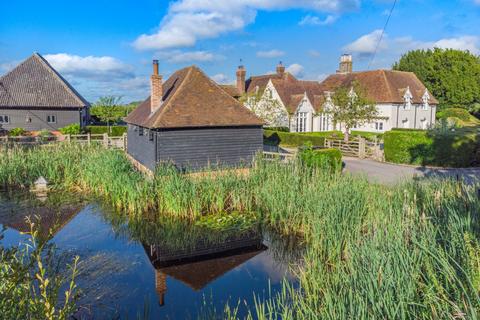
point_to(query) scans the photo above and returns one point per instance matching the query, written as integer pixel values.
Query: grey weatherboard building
(34, 96)
(193, 123)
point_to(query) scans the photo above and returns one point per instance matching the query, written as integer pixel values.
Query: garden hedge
(322, 158)
(291, 139)
(116, 130)
(452, 149)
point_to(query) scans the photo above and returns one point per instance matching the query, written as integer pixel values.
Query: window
(302, 122)
(406, 123)
(140, 131)
(51, 119)
(379, 126)
(4, 119)
(150, 135)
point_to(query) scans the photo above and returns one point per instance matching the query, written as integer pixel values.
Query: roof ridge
(59, 78)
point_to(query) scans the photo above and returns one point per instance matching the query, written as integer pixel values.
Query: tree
(351, 108)
(452, 76)
(266, 108)
(106, 109)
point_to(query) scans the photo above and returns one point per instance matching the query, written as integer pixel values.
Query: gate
(357, 147)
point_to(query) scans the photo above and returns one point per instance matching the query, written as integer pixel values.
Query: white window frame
(379, 126)
(4, 118)
(51, 118)
(302, 118)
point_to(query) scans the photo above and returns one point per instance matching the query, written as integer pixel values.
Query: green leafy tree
(352, 108)
(452, 76)
(106, 109)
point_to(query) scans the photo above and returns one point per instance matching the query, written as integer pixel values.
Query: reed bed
(373, 252)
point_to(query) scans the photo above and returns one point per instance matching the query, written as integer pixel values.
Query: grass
(406, 252)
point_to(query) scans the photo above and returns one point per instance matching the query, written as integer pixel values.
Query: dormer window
(425, 100)
(408, 99)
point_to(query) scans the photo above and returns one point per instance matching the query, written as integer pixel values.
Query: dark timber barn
(193, 123)
(33, 96)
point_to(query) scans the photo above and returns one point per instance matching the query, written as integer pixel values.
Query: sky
(106, 47)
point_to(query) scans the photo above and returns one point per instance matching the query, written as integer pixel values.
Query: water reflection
(168, 268)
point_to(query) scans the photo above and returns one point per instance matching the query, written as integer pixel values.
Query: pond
(152, 270)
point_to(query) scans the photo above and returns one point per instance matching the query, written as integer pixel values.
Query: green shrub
(291, 139)
(321, 158)
(450, 149)
(71, 129)
(115, 130)
(282, 129)
(16, 132)
(459, 113)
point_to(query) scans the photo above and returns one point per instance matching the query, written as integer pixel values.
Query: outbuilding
(193, 123)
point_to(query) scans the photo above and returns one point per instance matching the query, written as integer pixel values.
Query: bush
(321, 158)
(115, 130)
(450, 149)
(71, 129)
(16, 132)
(459, 113)
(291, 139)
(281, 129)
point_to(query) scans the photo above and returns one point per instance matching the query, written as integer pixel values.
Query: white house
(284, 101)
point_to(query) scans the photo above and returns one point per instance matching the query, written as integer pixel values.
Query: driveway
(391, 173)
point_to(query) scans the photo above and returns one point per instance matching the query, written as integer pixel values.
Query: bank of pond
(344, 248)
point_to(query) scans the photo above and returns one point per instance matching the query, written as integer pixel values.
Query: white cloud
(470, 43)
(99, 68)
(221, 78)
(270, 54)
(7, 66)
(367, 44)
(316, 21)
(188, 21)
(189, 56)
(296, 70)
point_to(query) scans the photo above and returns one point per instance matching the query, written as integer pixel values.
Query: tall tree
(351, 108)
(452, 76)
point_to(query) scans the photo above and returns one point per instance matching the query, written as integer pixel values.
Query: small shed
(193, 123)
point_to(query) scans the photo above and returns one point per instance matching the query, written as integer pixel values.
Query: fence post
(361, 147)
(125, 141)
(105, 140)
(89, 138)
(68, 138)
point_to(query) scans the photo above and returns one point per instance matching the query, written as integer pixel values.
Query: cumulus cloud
(99, 68)
(367, 44)
(296, 70)
(188, 21)
(316, 21)
(270, 54)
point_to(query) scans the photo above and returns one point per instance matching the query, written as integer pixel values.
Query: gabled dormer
(408, 97)
(426, 100)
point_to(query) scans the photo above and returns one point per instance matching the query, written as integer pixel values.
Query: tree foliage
(452, 76)
(266, 108)
(110, 110)
(352, 108)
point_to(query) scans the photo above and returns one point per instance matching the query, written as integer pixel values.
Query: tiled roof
(192, 99)
(34, 83)
(231, 90)
(382, 86)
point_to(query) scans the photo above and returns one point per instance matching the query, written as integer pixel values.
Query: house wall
(270, 107)
(197, 148)
(140, 147)
(18, 118)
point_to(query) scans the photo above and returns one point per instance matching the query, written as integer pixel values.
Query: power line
(381, 36)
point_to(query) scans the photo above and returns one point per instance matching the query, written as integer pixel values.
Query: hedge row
(454, 149)
(115, 130)
(291, 139)
(322, 158)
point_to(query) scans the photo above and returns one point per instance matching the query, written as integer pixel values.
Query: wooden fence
(87, 139)
(358, 147)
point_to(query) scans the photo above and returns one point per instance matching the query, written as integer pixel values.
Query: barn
(191, 122)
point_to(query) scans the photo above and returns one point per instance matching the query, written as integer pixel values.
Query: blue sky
(105, 48)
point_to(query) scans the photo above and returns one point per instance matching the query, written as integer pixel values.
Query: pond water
(151, 270)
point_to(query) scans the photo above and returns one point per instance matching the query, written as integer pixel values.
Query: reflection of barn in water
(52, 219)
(196, 265)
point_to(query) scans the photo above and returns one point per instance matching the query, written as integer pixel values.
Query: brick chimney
(346, 64)
(156, 90)
(241, 74)
(280, 68)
